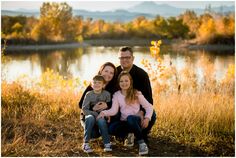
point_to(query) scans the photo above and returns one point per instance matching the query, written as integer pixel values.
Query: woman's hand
(101, 115)
(145, 123)
(100, 106)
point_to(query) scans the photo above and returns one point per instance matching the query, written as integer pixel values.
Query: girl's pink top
(118, 101)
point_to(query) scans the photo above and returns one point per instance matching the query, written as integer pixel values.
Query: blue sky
(109, 5)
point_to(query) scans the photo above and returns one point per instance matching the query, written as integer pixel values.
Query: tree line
(57, 24)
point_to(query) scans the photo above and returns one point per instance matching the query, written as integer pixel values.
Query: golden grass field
(42, 118)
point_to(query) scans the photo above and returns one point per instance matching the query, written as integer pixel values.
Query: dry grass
(42, 121)
(205, 121)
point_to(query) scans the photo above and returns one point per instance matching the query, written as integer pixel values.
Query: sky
(106, 5)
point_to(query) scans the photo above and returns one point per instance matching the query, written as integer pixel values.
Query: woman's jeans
(93, 129)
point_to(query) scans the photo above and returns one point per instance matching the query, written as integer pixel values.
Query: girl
(128, 100)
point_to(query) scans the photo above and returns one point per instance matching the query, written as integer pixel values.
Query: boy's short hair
(99, 78)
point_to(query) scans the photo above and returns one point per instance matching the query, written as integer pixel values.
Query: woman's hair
(110, 86)
(131, 96)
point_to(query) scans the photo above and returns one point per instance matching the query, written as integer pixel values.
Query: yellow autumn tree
(207, 30)
(57, 17)
(191, 20)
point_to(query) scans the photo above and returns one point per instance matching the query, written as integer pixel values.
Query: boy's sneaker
(86, 148)
(129, 141)
(107, 147)
(143, 149)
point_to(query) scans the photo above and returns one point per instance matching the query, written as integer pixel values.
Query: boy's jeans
(90, 130)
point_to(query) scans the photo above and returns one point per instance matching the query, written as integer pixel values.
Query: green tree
(160, 26)
(176, 28)
(8, 23)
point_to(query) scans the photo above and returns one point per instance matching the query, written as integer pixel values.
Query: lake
(85, 62)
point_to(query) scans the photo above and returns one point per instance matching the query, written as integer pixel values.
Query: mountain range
(147, 9)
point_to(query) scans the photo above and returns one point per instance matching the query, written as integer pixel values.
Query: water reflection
(85, 62)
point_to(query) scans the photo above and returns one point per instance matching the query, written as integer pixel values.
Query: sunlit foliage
(54, 22)
(57, 24)
(191, 20)
(200, 113)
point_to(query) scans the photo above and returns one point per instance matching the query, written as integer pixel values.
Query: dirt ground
(26, 139)
(158, 147)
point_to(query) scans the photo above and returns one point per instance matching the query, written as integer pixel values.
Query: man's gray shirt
(91, 99)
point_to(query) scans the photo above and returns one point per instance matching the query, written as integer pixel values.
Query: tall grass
(39, 122)
(41, 118)
(197, 113)
(203, 120)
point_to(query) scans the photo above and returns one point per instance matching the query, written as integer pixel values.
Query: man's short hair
(126, 48)
(99, 78)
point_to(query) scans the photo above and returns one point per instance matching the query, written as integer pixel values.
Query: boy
(92, 98)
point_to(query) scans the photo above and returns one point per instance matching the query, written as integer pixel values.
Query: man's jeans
(93, 129)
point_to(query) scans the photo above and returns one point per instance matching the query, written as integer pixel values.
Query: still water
(84, 63)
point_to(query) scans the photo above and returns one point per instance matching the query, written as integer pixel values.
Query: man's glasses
(125, 58)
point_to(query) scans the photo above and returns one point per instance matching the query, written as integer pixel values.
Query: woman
(108, 71)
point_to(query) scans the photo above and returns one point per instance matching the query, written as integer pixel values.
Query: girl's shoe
(86, 148)
(107, 147)
(143, 149)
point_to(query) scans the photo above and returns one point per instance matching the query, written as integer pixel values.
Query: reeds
(42, 118)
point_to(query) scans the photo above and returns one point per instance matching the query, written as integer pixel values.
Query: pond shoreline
(176, 44)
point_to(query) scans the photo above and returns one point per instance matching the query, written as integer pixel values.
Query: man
(141, 82)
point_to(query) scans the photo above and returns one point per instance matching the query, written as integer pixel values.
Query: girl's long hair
(131, 96)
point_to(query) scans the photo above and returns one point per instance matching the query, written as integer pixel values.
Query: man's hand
(100, 106)
(145, 123)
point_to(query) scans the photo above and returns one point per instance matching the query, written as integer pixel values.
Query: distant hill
(166, 10)
(224, 9)
(118, 15)
(20, 12)
(153, 8)
(147, 9)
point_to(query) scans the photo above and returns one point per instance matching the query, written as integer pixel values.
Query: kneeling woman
(128, 100)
